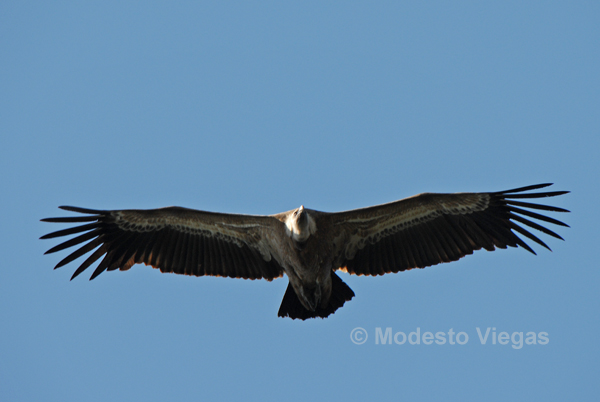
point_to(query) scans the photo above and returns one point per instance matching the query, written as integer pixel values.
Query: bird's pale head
(300, 224)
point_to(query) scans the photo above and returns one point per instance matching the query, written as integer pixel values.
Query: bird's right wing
(173, 239)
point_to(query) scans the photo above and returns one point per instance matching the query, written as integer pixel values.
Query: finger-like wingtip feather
(536, 195)
(537, 216)
(69, 231)
(536, 206)
(72, 219)
(528, 234)
(72, 242)
(535, 225)
(82, 210)
(89, 261)
(526, 188)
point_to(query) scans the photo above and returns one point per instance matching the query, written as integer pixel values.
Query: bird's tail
(291, 306)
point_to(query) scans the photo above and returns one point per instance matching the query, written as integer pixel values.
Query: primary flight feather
(307, 245)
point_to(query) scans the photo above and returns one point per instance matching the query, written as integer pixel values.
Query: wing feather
(89, 261)
(173, 239)
(536, 206)
(74, 241)
(434, 249)
(523, 189)
(79, 252)
(102, 266)
(534, 225)
(429, 229)
(181, 239)
(388, 248)
(70, 231)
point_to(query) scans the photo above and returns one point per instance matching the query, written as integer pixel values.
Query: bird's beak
(301, 214)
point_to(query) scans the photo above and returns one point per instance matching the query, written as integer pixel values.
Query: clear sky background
(258, 108)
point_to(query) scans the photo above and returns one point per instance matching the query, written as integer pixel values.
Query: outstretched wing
(429, 229)
(174, 239)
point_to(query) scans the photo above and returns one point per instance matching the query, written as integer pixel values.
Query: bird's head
(300, 224)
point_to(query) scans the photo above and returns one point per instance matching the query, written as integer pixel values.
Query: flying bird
(307, 245)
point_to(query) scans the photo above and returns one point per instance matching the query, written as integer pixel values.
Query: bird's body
(307, 245)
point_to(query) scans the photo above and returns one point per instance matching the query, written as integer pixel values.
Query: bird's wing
(174, 239)
(429, 229)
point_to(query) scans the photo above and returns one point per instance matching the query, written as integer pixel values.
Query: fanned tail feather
(293, 308)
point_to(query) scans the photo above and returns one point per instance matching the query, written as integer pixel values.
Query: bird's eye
(295, 213)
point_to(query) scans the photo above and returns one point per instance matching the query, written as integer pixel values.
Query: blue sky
(258, 108)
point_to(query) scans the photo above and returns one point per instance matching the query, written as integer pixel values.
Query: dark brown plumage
(308, 245)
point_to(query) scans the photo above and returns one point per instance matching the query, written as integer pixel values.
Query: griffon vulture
(307, 245)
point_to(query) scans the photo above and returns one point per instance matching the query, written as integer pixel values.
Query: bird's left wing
(429, 229)
(173, 239)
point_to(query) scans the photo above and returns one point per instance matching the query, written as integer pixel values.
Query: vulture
(309, 246)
